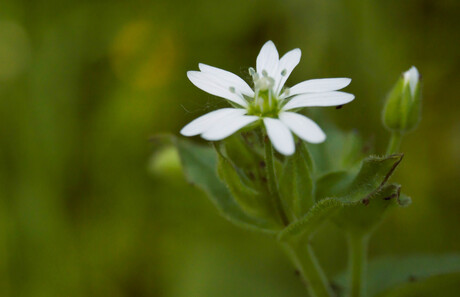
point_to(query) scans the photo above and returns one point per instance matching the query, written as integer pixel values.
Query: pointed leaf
(361, 217)
(296, 185)
(373, 174)
(200, 167)
(245, 194)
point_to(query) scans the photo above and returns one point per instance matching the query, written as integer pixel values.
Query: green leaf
(332, 183)
(200, 167)
(296, 185)
(341, 151)
(388, 273)
(349, 201)
(309, 223)
(243, 150)
(373, 174)
(252, 200)
(361, 217)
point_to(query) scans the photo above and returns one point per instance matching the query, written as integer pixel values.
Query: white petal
(268, 59)
(229, 79)
(227, 126)
(213, 85)
(303, 127)
(319, 85)
(280, 136)
(205, 122)
(287, 63)
(411, 76)
(319, 99)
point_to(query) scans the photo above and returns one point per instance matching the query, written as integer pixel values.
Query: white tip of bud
(412, 77)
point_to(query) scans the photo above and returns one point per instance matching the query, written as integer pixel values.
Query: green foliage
(341, 151)
(252, 200)
(373, 174)
(296, 183)
(200, 165)
(309, 223)
(388, 276)
(361, 217)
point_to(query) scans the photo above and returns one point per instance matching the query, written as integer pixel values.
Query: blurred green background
(85, 210)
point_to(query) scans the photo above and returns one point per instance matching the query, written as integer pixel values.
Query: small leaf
(248, 198)
(373, 174)
(361, 217)
(309, 223)
(200, 164)
(296, 185)
(388, 273)
(332, 183)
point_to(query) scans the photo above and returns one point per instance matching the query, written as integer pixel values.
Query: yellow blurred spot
(165, 162)
(14, 50)
(144, 55)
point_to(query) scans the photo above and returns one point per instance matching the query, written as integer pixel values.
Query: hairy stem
(395, 143)
(272, 182)
(357, 257)
(305, 260)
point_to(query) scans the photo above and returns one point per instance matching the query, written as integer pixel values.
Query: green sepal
(296, 183)
(386, 274)
(200, 167)
(254, 201)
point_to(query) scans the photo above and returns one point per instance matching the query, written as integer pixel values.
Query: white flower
(269, 102)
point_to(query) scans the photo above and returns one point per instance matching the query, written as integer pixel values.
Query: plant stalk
(357, 255)
(305, 260)
(395, 143)
(272, 182)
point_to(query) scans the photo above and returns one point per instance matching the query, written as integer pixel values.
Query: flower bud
(401, 113)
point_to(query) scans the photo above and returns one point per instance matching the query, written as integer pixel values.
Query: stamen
(264, 73)
(283, 72)
(252, 71)
(286, 91)
(232, 90)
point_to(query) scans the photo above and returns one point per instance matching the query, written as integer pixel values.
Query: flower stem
(305, 260)
(272, 182)
(395, 143)
(357, 255)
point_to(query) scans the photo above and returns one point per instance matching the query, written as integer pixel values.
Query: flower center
(265, 102)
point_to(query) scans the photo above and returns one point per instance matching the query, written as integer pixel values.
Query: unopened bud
(401, 113)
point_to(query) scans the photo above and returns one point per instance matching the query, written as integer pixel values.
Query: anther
(252, 71)
(232, 90)
(283, 72)
(264, 73)
(286, 91)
